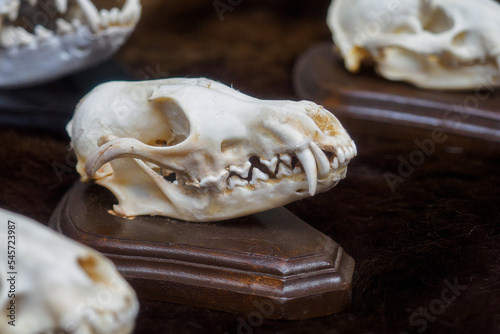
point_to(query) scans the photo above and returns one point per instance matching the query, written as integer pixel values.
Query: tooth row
(14, 36)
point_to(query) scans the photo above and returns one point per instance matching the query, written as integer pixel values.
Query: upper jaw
(311, 164)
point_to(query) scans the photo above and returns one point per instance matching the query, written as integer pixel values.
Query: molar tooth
(283, 170)
(23, 36)
(321, 160)
(235, 181)
(257, 175)
(308, 162)
(286, 158)
(63, 26)
(241, 171)
(214, 181)
(42, 32)
(270, 164)
(340, 155)
(335, 163)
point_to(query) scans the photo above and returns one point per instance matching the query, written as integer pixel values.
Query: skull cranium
(197, 150)
(42, 40)
(54, 285)
(435, 44)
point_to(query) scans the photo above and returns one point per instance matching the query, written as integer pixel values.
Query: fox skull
(434, 44)
(58, 285)
(42, 40)
(197, 150)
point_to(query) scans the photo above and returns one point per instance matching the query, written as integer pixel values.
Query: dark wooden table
(425, 237)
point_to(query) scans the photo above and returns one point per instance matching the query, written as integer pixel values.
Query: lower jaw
(58, 56)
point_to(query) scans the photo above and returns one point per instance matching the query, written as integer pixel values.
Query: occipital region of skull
(433, 44)
(197, 150)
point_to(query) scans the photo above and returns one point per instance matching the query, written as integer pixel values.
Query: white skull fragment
(51, 284)
(434, 44)
(197, 150)
(42, 40)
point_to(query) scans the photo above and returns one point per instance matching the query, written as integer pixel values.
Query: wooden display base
(271, 262)
(320, 76)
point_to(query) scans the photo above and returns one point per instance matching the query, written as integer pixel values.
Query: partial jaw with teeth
(42, 40)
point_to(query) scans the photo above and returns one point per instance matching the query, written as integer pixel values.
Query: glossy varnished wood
(320, 76)
(270, 262)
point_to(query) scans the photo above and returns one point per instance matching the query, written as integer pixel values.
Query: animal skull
(58, 285)
(197, 150)
(435, 44)
(42, 40)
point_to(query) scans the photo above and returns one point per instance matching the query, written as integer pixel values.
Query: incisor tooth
(335, 163)
(340, 155)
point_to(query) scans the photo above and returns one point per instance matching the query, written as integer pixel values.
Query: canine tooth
(63, 26)
(130, 12)
(308, 162)
(270, 164)
(257, 175)
(340, 155)
(335, 163)
(321, 160)
(62, 6)
(91, 14)
(286, 158)
(32, 2)
(235, 181)
(42, 32)
(283, 170)
(241, 171)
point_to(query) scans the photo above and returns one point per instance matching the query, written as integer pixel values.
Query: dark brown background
(441, 223)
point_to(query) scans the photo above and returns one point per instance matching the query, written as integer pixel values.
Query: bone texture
(433, 44)
(43, 40)
(197, 150)
(61, 286)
